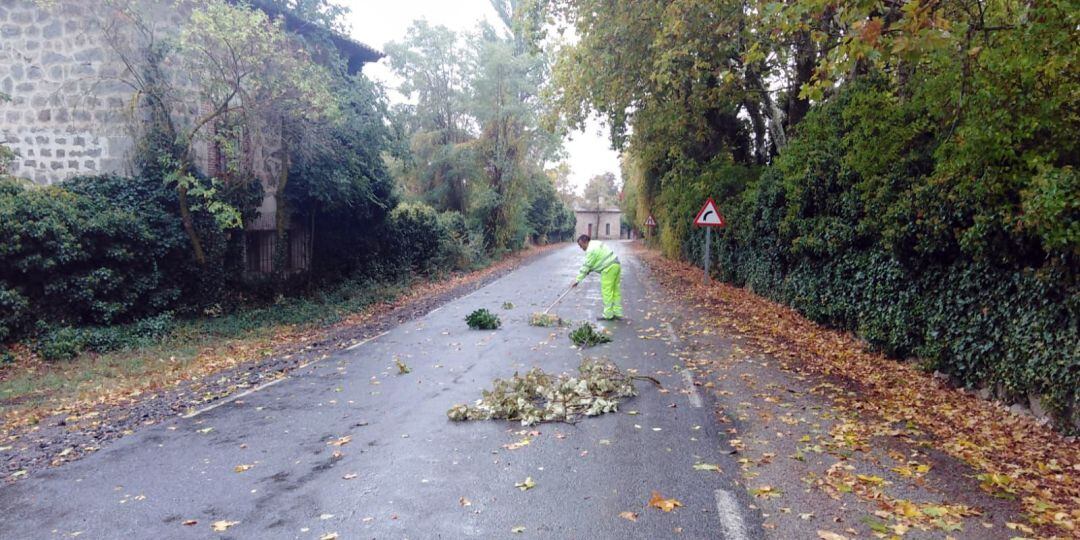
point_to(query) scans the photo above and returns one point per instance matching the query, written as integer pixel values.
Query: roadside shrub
(418, 237)
(462, 248)
(63, 343)
(78, 259)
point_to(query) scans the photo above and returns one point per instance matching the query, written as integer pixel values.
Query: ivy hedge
(888, 241)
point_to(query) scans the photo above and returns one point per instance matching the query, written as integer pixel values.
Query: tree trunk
(189, 222)
(805, 61)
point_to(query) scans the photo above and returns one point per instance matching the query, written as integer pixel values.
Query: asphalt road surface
(265, 460)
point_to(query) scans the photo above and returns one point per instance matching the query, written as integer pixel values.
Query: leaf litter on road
(1014, 456)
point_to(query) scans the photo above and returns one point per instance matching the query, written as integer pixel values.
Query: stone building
(601, 223)
(70, 111)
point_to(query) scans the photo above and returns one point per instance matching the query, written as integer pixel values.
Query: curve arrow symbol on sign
(709, 215)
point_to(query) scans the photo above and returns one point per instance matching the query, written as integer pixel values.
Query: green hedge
(73, 258)
(888, 241)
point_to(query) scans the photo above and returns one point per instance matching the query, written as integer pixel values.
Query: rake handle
(557, 300)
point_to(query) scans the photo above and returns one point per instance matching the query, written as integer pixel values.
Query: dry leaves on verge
(1017, 457)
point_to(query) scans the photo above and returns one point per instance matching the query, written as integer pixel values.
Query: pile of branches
(538, 397)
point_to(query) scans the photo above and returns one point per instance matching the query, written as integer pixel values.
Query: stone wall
(68, 110)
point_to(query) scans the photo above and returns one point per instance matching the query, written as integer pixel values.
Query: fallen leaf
(658, 501)
(632, 516)
(525, 485)
(329, 536)
(222, 525)
(518, 530)
(191, 522)
(342, 441)
(242, 467)
(464, 502)
(514, 446)
(828, 535)
(707, 467)
(349, 476)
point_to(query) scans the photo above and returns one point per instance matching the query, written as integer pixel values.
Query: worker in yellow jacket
(601, 259)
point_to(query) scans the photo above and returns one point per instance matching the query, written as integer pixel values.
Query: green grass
(156, 352)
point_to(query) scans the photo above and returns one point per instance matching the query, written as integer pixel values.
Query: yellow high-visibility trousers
(609, 291)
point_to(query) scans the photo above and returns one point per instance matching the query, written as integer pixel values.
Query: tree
(431, 62)
(559, 175)
(244, 78)
(326, 14)
(601, 191)
(477, 146)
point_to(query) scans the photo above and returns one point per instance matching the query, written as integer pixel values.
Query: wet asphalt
(266, 460)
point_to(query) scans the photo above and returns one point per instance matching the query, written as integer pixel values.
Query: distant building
(602, 223)
(70, 111)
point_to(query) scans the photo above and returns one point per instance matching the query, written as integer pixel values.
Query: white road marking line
(357, 344)
(434, 310)
(695, 397)
(250, 391)
(472, 293)
(730, 517)
(234, 397)
(691, 389)
(671, 333)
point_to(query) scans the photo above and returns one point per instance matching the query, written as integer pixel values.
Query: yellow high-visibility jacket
(598, 257)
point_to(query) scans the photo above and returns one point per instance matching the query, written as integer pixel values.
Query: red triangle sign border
(703, 218)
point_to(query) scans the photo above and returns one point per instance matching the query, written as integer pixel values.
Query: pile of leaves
(545, 319)
(587, 336)
(482, 319)
(538, 397)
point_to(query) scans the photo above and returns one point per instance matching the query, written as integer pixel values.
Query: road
(406, 471)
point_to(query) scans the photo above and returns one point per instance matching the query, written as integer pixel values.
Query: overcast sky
(376, 22)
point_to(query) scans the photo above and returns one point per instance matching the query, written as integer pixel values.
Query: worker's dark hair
(583, 238)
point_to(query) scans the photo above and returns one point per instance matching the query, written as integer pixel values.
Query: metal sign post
(708, 242)
(709, 216)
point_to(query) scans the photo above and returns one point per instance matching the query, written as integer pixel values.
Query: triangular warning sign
(709, 215)
(650, 222)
